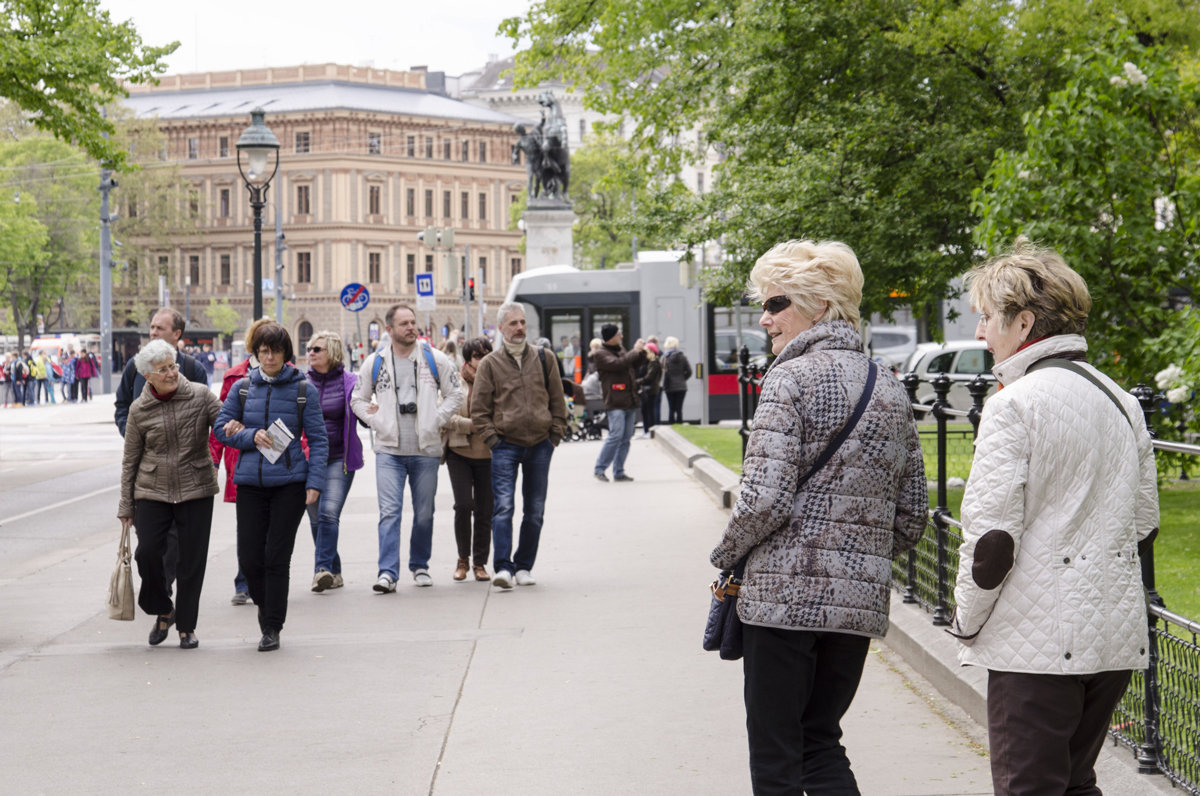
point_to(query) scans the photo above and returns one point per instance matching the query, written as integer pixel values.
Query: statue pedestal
(548, 235)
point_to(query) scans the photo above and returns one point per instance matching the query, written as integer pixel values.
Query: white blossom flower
(1118, 81)
(1023, 174)
(1134, 75)
(1168, 377)
(1178, 395)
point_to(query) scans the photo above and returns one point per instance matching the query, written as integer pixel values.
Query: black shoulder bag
(723, 631)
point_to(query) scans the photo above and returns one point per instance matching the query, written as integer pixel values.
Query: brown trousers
(1046, 730)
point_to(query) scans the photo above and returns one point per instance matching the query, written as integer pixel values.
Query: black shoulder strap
(545, 375)
(243, 388)
(869, 388)
(1076, 368)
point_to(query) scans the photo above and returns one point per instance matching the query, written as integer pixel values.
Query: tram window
(724, 341)
(564, 330)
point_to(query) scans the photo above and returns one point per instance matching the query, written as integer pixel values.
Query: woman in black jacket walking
(676, 371)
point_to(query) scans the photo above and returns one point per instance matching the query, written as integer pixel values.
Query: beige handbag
(120, 586)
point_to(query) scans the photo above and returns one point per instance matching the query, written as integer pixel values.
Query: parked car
(891, 345)
(961, 360)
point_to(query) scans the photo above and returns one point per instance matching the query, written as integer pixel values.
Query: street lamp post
(258, 143)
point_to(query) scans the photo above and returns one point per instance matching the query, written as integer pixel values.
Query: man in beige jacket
(518, 410)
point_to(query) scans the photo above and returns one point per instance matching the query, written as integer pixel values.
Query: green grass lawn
(1176, 553)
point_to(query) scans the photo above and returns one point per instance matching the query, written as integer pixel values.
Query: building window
(699, 182)
(515, 265)
(303, 200)
(483, 271)
(374, 266)
(410, 268)
(303, 142)
(446, 205)
(223, 146)
(194, 268)
(411, 147)
(226, 275)
(483, 151)
(429, 263)
(465, 205)
(429, 203)
(374, 143)
(410, 201)
(132, 212)
(163, 262)
(466, 151)
(429, 147)
(304, 267)
(374, 197)
(193, 204)
(224, 202)
(582, 128)
(483, 207)
(446, 147)
(193, 148)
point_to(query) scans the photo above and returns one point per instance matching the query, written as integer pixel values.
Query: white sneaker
(322, 580)
(524, 578)
(385, 584)
(503, 579)
(421, 578)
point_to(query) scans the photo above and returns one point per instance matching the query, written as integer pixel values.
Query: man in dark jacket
(166, 324)
(617, 379)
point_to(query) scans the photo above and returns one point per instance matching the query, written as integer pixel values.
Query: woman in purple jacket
(332, 384)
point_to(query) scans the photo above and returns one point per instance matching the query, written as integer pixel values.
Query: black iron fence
(1159, 716)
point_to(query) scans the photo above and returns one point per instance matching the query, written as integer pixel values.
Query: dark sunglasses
(315, 349)
(777, 304)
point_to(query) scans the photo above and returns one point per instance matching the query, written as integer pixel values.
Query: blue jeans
(324, 517)
(534, 463)
(621, 425)
(390, 474)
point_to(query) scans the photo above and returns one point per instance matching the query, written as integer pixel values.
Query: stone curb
(718, 479)
(680, 449)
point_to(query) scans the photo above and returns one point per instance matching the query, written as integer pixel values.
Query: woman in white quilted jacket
(1062, 493)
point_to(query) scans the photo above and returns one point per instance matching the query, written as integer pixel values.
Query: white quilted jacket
(1061, 489)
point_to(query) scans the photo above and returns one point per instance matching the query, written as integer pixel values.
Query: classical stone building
(368, 159)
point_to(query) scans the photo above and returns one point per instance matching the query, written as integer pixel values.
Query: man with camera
(416, 390)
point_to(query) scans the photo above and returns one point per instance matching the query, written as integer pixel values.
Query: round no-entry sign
(355, 297)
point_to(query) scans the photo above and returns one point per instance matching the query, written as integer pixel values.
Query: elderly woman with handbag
(167, 478)
(1062, 499)
(833, 488)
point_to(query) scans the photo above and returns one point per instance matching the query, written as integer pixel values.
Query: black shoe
(270, 641)
(159, 634)
(601, 477)
(622, 478)
(188, 641)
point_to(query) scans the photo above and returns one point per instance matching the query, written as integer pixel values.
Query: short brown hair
(1034, 278)
(392, 310)
(178, 322)
(273, 336)
(476, 347)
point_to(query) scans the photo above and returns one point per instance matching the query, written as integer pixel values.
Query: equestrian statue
(547, 158)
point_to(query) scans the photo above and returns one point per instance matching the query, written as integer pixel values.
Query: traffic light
(471, 289)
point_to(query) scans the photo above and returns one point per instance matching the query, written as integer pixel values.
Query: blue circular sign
(355, 297)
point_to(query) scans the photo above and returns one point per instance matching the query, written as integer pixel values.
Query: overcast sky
(452, 36)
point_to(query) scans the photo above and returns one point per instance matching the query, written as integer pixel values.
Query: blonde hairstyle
(596, 343)
(333, 346)
(671, 343)
(1030, 277)
(811, 274)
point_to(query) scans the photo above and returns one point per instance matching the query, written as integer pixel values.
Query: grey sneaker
(421, 578)
(240, 598)
(524, 578)
(322, 580)
(337, 581)
(601, 477)
(385, 584)
(503, 579)
(622, 477)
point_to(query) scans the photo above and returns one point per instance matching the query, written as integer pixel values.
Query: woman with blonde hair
(1061, 501)
(833, 488)
(676, 372)
(333, 385)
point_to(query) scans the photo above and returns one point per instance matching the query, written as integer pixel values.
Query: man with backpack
(416, 391)
(166, 324)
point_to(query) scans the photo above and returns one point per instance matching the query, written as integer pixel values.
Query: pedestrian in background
(166, 481)
(469, 463)
(676, 372)
(272, 495)
(518, 409)
(87, 367)
(70, 387)
(649, 383)
(334, 385)
(817, 540)
(6, 379)
(1061, 501)
(37, 376)
(616, 367)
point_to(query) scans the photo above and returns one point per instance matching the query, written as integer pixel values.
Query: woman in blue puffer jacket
(272, 495)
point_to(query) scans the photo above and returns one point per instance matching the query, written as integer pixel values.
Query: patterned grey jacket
(820, 558)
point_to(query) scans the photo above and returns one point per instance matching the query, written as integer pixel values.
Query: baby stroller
(594, 418)
(574, 397)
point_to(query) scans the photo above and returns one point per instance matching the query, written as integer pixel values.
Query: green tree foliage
(223, 317)
(64, 61)
(1108, 177)
(868, 122)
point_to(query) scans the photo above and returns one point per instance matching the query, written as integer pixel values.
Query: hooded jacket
(820, 558)
(1062, 487)
(437, 399)
(267, 401)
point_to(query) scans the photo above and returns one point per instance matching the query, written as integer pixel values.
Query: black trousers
(471, 482)
(1045, 730)
(798, 686)
(153, 521)
(267, 521)
(675, 407)
(649, 404)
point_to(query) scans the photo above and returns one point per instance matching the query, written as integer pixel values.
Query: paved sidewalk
(591, 682)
